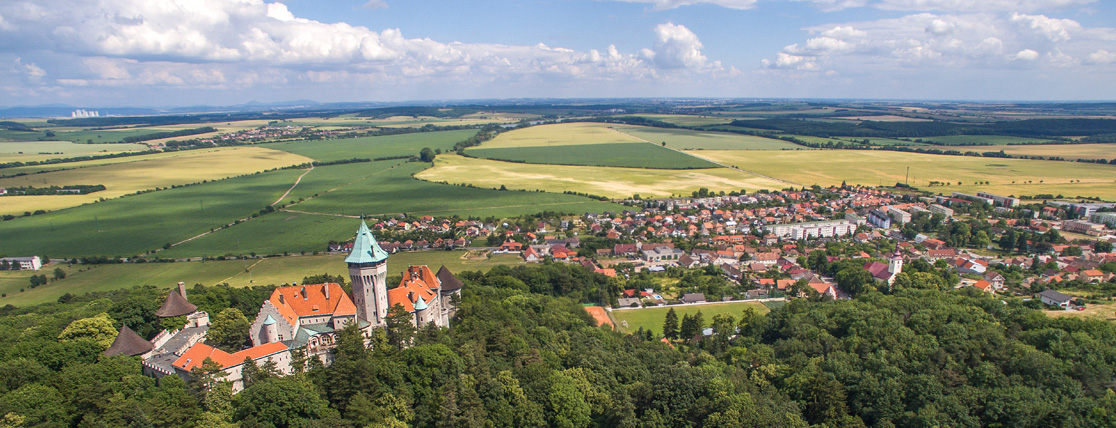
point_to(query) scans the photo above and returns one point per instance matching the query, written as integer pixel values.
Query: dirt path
(712, 161)
(299, 180)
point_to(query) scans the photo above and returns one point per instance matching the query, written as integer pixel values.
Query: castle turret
(368, 272)
(270, 331)
(894, 266)
(422, 310)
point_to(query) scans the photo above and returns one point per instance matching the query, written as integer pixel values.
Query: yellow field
(831, 167)
(603, 181)
(561, 134)
(144, 172)
(1067, 151)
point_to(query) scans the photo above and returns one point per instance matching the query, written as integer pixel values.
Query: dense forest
(523, 353)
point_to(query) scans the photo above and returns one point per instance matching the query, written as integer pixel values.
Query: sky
(149, 53)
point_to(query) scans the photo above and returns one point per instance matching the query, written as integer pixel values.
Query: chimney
(302, 291)
(182, 289)
(325, 290)
(281, 299)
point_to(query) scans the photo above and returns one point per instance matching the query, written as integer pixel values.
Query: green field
(626, 155)
(134, 224)
(688, 120)
(395, 191)
(64, 147)
(1065, 151)
(686, 139)
(630, 320)
(561, 134)
(991, 140)
(80, 136)
(1005, 176)
(274, 233)
(278, 270)
(373, 147)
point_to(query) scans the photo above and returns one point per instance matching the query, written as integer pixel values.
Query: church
(304, 317)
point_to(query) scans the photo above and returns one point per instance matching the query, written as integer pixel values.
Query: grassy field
(604, 181)
(630, 320)
(278, 270)
(830, 167)
(134, 224)
(129, 177)
(395, 191)
(686, 139)
(688, 120)
(373, 147)
(64, 147)
(628, 155)
(561, 134)
(1066, 151)
(992, 140)
(1105, 312)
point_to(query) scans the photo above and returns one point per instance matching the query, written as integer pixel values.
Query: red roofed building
(233, 364)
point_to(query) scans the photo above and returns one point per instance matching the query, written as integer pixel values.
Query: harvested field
(562, 134)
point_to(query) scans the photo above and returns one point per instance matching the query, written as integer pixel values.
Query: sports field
(373, 147)
(278, 270)
(129, 177)
(627, 155)
(1065, 151)
(685, 139)
(630, 320)
(831, 167)
(561, 134)
(603, 181)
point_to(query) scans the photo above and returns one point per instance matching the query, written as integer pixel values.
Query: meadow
(603, 181)
(373, 147)
(1066, 151)
(687, 119)
(276, 270)
(630, 320)
(395, 192)
(133, 175)
(137, 223)
(1005, 176)
(626, 155)
(560, 134)
(64, 148)
(991, 140)
(685, 139)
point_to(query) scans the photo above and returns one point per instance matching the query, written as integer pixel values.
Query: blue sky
(219, 52)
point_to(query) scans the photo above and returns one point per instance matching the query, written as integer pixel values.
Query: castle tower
(270, 332)
(368, 272)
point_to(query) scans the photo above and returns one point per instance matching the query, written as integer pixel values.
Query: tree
(282, 402)
(399, 327)
(97, 329)
(59, 273)
(228, 330)
(855, 280)
(1102, 247)
(426, 155)
(670, 325)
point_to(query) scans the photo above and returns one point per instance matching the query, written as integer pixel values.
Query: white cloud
(977, 5)
(676, 47)
(672, 4)
(1055, 30)
(32, 71)
(376, 4)
(1102, 57)
(1026, 55)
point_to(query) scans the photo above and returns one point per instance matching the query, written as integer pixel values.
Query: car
(1081, 308)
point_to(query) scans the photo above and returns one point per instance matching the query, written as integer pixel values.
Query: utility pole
(906, 180)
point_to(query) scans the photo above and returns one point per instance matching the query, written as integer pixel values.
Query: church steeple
(368, 273)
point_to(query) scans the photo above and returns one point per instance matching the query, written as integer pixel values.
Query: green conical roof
(269, 320)
(420, 304)
(365, 247)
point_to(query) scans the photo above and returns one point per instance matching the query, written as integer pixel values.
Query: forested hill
(518, 358)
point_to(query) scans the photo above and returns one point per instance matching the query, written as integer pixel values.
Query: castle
(304, 317)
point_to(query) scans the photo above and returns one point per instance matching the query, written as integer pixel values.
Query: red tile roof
(309, 300)
(197, 354)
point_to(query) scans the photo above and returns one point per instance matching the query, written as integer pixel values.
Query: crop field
(630, 320)
(129, 177)
(1006, 176)
(134, 224)
(373, 147)
(688, 120)
(991, 140)
(628, 155)
(1066, 151)
(686, 139)
(560, 134)
(64, 147)
(395, 191)
(277, 270)
(604, 181)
